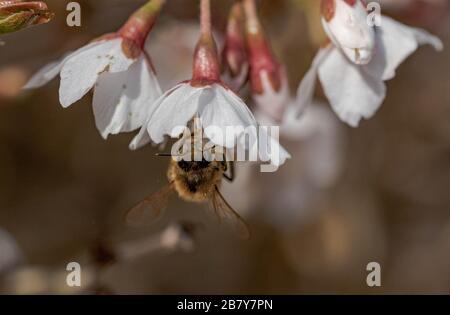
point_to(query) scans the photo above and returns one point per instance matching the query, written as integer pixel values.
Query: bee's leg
(229, 166)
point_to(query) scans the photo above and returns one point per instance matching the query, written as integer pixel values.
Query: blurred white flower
(118, 68)
(352, 76)
(289, 197)
(176, 236)
(273, 100)
(10, 254)
(172, 46)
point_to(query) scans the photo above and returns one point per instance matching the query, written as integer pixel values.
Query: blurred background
(348, 197)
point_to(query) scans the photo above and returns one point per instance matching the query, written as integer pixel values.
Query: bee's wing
(225, 212)
(149, 209)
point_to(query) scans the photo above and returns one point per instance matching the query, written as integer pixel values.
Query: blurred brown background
(64, 190)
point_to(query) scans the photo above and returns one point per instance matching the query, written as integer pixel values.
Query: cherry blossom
(204, 96)
(352, 70)
(117, 67)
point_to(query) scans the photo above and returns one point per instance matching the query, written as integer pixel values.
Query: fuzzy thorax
(195, 181)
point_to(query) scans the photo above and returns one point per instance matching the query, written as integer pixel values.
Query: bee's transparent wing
(149, 209)
(226, 213)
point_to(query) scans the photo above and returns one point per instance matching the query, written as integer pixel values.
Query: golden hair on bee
(194, 181)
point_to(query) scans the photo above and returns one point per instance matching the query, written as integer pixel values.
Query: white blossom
(356, 89)
(123, 86)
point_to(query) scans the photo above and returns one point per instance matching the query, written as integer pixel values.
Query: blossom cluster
(352, 69)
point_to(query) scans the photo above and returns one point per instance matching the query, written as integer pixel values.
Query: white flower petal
(425, 38)
(300, 128)
(222, 108)
(121, 100)
(50, 71)
(173, 109)
(215, 105)
(82, 69)
(394, 43)
(322, 142)
(305, 91)
(44, 75)
(141, 139)
(270, 148)
(270, 101)
(353, 94)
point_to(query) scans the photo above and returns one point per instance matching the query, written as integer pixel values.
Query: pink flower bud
(346, 24)
(267, 76)
(16, 15)
(261, 59)
(234, 54)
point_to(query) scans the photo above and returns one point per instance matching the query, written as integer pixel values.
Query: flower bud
(16, 15)
(234, 55)
(267, 76)
(346, 24)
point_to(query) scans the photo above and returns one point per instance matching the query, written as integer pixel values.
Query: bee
(193, 181)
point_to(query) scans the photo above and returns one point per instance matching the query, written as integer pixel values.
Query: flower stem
(205, 17)
(251, 16)
(206, 60)
(141, 22)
